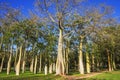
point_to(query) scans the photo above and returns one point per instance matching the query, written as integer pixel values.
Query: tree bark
(54, 67)
(40, 66)
(15, 63)
(45, 69)
(93, 62)
(81, 66)
(1, 66)
(31, 65)
(109, 62)
(50, 68)
(66, 57)
(114, 64)
(23, 64)
(23, 67)
(9, 62)
(1, 42)
(67, 62)
(97, 64)
(87, 62)
(60, 61)
(18, 63)
(35, 65)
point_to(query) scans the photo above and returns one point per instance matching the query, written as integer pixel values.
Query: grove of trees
(59, 36)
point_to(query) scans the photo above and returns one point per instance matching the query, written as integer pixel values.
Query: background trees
(61, 41)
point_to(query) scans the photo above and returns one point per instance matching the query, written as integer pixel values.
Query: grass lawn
(29, 76)
(114, 75)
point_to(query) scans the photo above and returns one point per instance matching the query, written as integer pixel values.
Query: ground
(29, 76)
(114, 75)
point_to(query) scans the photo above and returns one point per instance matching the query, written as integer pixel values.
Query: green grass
(77, 74)
(114, 75)
(29, 76)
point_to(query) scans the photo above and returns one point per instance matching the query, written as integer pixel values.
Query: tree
(61, 13)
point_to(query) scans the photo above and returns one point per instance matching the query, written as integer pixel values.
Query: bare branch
(68, 33)
(50, 16)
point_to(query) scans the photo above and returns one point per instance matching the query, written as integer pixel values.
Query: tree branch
(50, 16)
(68, 33)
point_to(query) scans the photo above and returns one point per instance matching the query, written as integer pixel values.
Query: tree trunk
(109, 62)
(60, 61)
(54, 67)
(67, 63)
(18, 63)
(15, 63)
(87, 62)
(23, 64)
(1, 66)
(97, 64)
(93, 62)
(114, 65)
(1, 42)
(81, 67)
(67, 53)
(31, 65)
(9, 62)
(45, 69)
(40, 66)
(23, 67)
(50, 68)
(35, 65)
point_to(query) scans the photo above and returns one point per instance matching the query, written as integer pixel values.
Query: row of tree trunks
(33, 65)
(111, 61)
(51, 68)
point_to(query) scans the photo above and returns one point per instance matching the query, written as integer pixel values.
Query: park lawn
(114, 75)
(29, 76)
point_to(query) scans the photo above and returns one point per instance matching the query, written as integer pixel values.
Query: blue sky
(26, 5)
